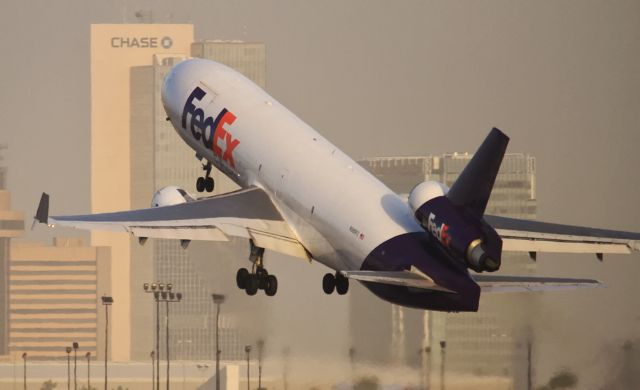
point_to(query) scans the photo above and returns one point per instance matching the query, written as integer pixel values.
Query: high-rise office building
(55, 298)
(248, 58)
(11, 226)
(490, 342)
(115, 48)
(160, 158)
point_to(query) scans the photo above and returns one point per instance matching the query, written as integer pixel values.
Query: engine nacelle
(461, 234)
(424, 192)
(169, 196)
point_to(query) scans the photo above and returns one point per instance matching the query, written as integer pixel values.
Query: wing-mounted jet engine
(455, 217)
(170, 196)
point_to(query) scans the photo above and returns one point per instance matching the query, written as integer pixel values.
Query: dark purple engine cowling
(417, 249)
(463, 235)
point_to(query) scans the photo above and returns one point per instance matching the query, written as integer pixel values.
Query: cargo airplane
(302, 196)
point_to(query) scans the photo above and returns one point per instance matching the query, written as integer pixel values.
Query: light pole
(425, 359)
(88, 356)
(285, 369)
(169, 297)
(68, 350)
(352, 359)
(24, 357)
(260, 345)
(155, 288)
(427, 366)
(443, 348)
(218, 299)
(247, 349)
(75, 365)
(153, 370)
(106, 302)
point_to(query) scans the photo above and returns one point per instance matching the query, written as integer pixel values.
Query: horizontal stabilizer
(504, 283)
(520, 235)
(396, 278)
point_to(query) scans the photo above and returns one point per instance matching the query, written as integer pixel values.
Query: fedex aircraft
(302, 196)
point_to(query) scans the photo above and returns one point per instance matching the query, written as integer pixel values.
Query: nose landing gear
(258, 278)
(206, 182)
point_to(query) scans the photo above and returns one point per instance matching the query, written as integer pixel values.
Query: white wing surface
(503, 283)
(247, 213)
(533, 237)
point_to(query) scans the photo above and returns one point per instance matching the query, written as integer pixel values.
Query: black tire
(251, 287)
(200, 184)
(328, 284)
(272, 286)
(241, 278)
(209, 184)
(342, 285)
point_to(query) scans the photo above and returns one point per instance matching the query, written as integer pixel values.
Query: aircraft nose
(179, 81)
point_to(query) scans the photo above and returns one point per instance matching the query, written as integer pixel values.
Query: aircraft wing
(247, 213)
(503, 283)
(533, 237)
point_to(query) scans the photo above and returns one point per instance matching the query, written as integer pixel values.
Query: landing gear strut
(206, 182)
(258, 278)
(337, 282)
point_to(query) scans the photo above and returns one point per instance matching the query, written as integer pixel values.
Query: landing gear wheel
(208, 184)
(328, 283)
(272, 285)
(251, 287)
(241, 278)
(200, 184)
(342, 284)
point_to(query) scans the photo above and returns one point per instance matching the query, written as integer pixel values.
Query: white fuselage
(338, 211)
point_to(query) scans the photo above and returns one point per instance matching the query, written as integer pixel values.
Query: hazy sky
(561, 78)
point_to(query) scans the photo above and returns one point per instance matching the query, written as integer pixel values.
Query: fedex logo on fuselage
(439, 230)
(209, 130)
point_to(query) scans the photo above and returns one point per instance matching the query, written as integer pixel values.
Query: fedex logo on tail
(439, 230)
(209, 130)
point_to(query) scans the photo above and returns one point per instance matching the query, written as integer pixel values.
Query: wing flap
(505, 283)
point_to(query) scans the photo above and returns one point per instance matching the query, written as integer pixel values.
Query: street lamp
(153, 370)
(153, 288)
(443, 348)
(169, 297)
(218, 299)
(425, 361)
(162, 293)
(106, 302)
(88, 356)
(260, 345)
(247, 349)
(68, 350)
(24, 357)
(75, 365)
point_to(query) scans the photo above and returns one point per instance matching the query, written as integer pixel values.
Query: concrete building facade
(115, 48)
(55, 298)
(11, 226)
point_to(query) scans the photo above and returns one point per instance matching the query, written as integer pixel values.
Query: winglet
(42, 214)
(473, 187)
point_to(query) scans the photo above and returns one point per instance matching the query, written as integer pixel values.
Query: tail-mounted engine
(462, 234)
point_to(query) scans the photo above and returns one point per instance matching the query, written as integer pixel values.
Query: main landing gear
(337, 282)
(206, 182)
(258, 278)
